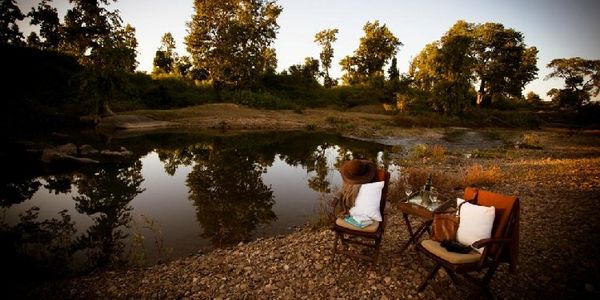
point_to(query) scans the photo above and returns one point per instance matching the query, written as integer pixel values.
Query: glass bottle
(426, 192)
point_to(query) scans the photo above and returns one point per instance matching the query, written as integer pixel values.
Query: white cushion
(367, 201)
(475, 224)
(458, 202)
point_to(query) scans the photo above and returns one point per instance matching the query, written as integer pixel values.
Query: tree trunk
(481, 93)
(105, 110)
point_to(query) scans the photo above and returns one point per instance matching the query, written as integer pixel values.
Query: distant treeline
(86, 65)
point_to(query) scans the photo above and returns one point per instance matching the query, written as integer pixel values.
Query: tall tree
(496, 57)
(582, 80)
(325, 38)
(165, 58)
(98, 39)
(376, 47)
(9, 30)
(504, 64)
(393, 72)
(444, 70)
(231, 38)
(46, 17)
(86, 25)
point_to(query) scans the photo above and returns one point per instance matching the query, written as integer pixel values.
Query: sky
(557, 28)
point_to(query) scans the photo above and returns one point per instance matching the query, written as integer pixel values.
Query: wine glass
(434, 195)
(407, 188)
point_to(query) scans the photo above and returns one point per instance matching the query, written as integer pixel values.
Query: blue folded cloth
(350, 220)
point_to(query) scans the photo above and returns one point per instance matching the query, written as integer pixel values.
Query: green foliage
(98, 39)
(376, 47)
(533, 99)
(259, 99)
(307, 73)
(231, 39)
(504, 64)
(582, 80)
(9, 30)
(325, 38)
(40, 88)
(495, 56)
(46, 17)
(165, 57)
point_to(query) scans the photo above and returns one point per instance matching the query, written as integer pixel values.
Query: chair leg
(429, 277)
(377, 249)
(451, 275)
(335, 244)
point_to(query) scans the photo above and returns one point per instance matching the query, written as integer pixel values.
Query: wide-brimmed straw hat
(358, 171)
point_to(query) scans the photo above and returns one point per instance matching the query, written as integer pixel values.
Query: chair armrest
(490, 241)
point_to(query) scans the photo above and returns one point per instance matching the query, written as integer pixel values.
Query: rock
(116, 153)
(54, 156)
(86, 150)
(67, 149)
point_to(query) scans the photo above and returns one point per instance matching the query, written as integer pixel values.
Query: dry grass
(421, 151)
(477, 175)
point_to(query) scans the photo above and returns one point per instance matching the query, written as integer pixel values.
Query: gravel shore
(559, 187)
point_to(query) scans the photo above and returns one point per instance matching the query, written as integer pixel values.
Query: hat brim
(360, 179)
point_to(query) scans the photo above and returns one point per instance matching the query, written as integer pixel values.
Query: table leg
(410, 233)
(414, 236)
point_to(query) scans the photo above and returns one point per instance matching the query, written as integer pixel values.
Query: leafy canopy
(494, 56)
(582, 80)
(231, 39)
(376, 47)
(326, 38)
(9, 30)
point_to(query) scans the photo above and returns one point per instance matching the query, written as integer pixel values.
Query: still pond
(174, 194)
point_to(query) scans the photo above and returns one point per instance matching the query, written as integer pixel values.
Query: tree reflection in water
(12, 193)
(230, 197)
(105, 196)
(226, 188)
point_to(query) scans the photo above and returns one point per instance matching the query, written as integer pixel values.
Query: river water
(174, 194)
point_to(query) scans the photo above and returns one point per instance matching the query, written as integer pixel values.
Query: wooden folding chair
(501, 247)
(370, 236)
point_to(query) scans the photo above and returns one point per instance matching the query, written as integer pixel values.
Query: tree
(165, 58)
(98, 39)
(231, 39)
(393, 72)
(9, 30)
(533, 98)
(582, 80)
(376, 47)
(86, 24)
(46, 17)
(444, 70)
(503, 63)
(325, 38)
(489, 53)
(33, 40)
(306, 73)
(105, 195)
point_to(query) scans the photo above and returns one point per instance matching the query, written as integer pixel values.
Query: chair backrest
(505, 222)
(384, 176)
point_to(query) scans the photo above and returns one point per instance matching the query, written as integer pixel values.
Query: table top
(412, 206)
